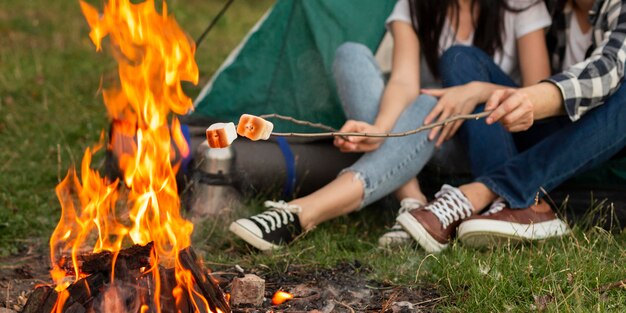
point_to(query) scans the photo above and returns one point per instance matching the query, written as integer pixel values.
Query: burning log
(131, 288)
(132, 258)
(37, 300)
(208, 287)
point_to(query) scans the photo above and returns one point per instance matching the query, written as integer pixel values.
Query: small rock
(403, 307)
(5, 310)
(247, 290)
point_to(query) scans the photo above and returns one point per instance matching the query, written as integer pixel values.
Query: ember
(280, 297)
(101, 216)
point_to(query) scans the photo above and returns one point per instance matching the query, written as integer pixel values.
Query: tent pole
(213, 22)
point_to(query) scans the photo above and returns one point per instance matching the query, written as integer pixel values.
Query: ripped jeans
(360, 85)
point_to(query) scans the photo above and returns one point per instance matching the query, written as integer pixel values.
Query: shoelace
(279, 213)
(450, 206)
(497, 206)
(406, 205)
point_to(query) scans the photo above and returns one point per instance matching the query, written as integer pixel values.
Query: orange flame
(280, 297)
(154, 56)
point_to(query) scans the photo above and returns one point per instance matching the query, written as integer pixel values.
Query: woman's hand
(452, 101)
(358, 144)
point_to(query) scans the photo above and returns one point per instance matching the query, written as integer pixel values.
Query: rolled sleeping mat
(288, 167)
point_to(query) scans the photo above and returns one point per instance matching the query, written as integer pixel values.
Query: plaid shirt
(589, 83)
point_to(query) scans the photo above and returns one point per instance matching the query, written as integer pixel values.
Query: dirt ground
(343, 288)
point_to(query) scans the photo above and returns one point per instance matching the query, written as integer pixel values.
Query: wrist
(546, 99)
(480, 91)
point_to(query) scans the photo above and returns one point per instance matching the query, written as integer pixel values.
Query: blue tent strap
(290, 164)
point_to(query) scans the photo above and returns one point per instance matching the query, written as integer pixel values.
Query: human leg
(378, 173)
(487, 145)
(373, 176)
(360, 85)
(577, 147)
(574, 148)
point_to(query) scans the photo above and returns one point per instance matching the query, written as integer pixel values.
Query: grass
(51, 110)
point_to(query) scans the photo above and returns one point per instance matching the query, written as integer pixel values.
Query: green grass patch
(51, 110)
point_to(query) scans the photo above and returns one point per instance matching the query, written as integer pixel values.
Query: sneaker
(396, 236)
(434, 225)
(501, 224)
(277, 226)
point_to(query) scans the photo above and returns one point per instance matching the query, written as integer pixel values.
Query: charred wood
(133, 258)
(207, 287)
(37, 299)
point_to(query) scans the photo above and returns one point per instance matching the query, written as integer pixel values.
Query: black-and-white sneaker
(396, 236)
(277, 226)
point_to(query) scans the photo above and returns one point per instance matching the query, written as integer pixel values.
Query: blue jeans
(487, 146)
(360, 85)
(560, 150)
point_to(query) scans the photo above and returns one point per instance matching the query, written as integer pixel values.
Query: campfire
(122, 245)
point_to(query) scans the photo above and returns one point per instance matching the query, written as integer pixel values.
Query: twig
(345, 306)
(379, 135)
(430, 300)
(299, 122)
(611, 286)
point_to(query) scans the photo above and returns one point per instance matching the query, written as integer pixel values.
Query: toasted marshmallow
(221, 135)
(254, 127)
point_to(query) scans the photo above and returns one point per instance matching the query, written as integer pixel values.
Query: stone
(249, 289)
(403, 307)
(5, 310)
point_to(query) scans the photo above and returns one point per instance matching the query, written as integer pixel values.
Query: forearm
(395, 99)
(546, 99)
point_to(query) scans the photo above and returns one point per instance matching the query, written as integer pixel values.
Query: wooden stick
(378, 135)
(299, 122)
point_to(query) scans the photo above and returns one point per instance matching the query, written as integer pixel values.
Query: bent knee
(459, 53)
(349, 52)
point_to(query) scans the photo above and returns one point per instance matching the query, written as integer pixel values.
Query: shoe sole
(485, 233)
(419, 233)
(390, 241)
(252, 239)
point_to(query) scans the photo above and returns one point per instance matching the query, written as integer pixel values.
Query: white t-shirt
(516, 25)
(577, 42)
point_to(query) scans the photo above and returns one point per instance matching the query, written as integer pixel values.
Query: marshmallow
(221, 135)
(254, 127)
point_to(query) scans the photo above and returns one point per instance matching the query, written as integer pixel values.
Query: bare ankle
(478, 195)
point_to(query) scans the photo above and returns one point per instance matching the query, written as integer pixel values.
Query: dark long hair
(428, 17)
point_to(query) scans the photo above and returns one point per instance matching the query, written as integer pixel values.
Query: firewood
(209, 289)
(133, 258)
(83, 291)
(75, 308)
(37, 299)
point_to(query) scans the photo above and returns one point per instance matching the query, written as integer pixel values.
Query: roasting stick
(378, 135)
(222, 135)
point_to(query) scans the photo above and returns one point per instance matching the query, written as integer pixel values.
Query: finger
(519, 119)
(496, 98)
(439, 107)
(507, 106)
(444, 134)
(454, 129)
(444, 115)
(525, 124)
(434, 92)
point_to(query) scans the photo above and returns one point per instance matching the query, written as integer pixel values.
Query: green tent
(284, 66)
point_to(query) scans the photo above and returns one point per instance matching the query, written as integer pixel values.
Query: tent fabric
(285, 66)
